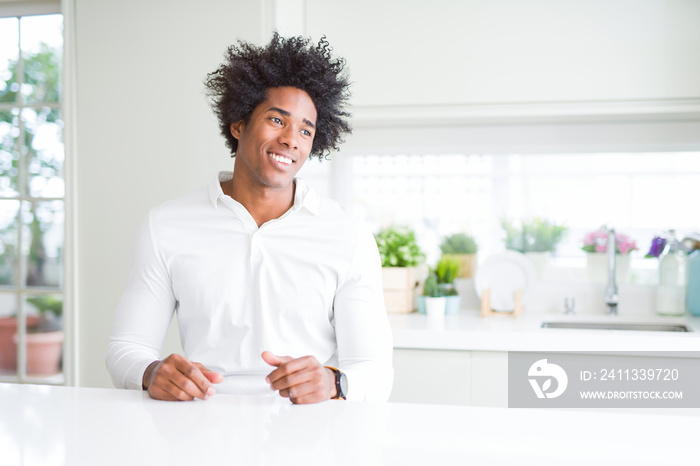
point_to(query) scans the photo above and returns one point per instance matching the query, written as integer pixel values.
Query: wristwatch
(341, 384)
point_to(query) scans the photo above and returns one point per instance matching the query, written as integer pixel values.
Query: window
(32, 206)
(640, 194)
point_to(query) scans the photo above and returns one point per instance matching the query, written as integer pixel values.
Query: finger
(191, 389)
(163, 388)
(291, 380)
(191, 379)
(158, 393)
(273, 359)
(177, 393)
(309, 386)
(213, 377)
(292, 365)
(169, 380)
(306, 398)
(176, 373)
(313, 388)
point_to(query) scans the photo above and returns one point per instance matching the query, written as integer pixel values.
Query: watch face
(343, 383)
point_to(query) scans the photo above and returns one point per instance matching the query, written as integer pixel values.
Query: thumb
(273, 359)
(213, 377)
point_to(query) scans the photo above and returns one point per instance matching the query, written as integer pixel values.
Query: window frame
(68, 290)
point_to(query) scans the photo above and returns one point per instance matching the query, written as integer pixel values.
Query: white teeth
(281, 159)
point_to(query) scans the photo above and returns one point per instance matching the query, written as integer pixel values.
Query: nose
(289, 137)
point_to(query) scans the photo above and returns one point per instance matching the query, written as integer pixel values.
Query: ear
(236, 128)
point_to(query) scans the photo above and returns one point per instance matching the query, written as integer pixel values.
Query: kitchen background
(465, 112)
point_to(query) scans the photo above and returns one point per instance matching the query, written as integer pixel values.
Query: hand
(302, 380)
(176, 378)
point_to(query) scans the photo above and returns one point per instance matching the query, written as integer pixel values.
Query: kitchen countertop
(51, 425)
(469, 332)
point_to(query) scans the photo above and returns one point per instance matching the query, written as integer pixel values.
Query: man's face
(274, 144)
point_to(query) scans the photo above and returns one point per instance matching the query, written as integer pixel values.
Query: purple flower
(657, 247)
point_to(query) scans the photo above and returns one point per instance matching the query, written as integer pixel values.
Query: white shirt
(306, 283)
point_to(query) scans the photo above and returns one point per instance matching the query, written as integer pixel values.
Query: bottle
(692, 297)
(673, 278)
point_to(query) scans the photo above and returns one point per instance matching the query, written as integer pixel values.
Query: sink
(640, 326)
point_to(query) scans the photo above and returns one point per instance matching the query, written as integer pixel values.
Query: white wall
(145, 134)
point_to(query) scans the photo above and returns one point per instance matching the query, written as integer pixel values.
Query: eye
(306, 132)
(277, 120)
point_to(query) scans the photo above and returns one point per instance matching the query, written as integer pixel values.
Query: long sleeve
(362, 328)
(143, 314)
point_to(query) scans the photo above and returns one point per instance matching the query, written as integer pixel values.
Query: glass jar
(692, 297)
(673, 279)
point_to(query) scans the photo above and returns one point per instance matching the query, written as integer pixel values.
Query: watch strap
(339, 394)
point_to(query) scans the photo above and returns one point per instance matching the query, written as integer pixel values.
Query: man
(274, 286)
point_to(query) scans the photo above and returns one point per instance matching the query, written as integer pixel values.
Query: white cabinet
(475, 378)
(452, 52)
(465, 360)
(489, 378)
(432, 376)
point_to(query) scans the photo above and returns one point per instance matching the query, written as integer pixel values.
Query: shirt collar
(304, 196)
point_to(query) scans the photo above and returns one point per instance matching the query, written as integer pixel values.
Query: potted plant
(536, 238)
(44, 338)
(595, 243)
(462, 247)
(658, 243)
(45, 341)
(435, 302)
(401, 276)
(8, 341)
(445, 273)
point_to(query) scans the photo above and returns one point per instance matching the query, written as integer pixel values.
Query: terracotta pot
(44, 352)
(8, 344)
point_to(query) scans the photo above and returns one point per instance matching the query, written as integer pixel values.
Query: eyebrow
(286, 113)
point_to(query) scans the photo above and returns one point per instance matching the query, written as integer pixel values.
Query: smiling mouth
(281, 159)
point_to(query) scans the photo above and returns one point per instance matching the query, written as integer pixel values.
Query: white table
(42, 425)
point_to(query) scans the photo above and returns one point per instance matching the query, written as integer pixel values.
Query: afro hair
(240, 84)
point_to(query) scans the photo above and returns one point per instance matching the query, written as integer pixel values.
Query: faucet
(569, 303)
(611, 297)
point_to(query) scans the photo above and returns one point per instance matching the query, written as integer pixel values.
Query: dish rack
(486, 304)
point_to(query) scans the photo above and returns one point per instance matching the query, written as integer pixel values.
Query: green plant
(446, 270)
(431, 288)
(537, 235)
(47, 304)
(398, 247)
(459, 243)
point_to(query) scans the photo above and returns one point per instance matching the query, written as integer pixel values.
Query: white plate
(504, 274)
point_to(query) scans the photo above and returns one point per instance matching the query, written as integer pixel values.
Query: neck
(264, 203)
